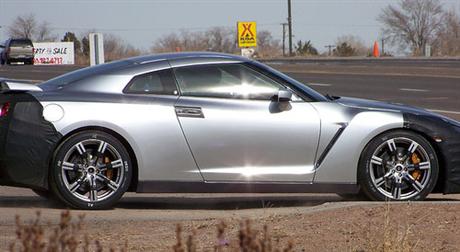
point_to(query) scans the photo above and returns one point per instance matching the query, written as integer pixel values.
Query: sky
(141, 22)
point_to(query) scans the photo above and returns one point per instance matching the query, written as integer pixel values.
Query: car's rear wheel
(91, 170)
(398, 165)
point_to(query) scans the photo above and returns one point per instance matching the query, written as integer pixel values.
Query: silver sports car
(207, 122)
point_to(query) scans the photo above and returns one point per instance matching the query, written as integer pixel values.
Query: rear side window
(21, 43)
(159, 82)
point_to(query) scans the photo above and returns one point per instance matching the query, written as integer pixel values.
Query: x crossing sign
(247, 35)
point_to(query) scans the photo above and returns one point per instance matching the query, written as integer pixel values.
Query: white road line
(437, 98)
(320, 84)
(445, 111)
(413, 90)
(23, 80)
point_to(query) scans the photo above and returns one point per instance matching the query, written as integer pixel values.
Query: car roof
(140, 64)
(185, 55)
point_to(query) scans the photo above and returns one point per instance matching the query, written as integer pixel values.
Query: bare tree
(214, 39)
(168, 43)
(267, 46)
(413, 23)
(115, 48)
(44, 33)
(193, 41)
(23, 27)
(217, 39)
(221, 39)
(28, 27)
(350, 45)
(448, 36)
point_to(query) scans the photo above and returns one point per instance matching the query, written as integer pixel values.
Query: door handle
(189, 112)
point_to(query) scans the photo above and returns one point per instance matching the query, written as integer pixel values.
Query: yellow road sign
(247, 35)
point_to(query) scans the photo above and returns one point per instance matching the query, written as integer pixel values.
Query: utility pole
(284, 38)
(330, 49)
(383, 47)
(290, 27)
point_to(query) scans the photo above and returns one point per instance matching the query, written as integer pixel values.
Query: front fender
(341, 162)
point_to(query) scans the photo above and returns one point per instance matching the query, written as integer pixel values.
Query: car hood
(378, 105)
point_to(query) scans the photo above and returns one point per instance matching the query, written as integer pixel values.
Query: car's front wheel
(91, 170)
(398, 165)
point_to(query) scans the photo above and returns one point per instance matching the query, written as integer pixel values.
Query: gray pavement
(388, 61)
(434, 93)
(179, 207)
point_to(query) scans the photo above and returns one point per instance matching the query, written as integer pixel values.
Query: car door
(237, 132)
(163, 153)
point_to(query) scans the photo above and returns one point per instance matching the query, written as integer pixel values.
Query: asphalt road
(433, 93)
(434, 85)
(390, 61)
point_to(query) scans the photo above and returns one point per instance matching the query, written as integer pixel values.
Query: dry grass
(68, 235)
(390, 231)
(396, 232)
(247, 240)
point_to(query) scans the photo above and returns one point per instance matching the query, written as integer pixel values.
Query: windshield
(21, 43)
(63, 80)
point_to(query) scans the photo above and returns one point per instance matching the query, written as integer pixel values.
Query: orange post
(376, 52)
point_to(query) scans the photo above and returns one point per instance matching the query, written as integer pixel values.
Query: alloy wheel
(92, 170)
(400, 168)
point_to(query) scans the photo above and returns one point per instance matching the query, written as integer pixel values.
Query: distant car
(17, 51)
(207, 122)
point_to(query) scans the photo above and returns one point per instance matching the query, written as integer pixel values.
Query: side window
(235, 81)
(159, 82)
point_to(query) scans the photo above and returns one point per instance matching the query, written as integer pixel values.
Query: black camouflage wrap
(27, 142)
(448, 150)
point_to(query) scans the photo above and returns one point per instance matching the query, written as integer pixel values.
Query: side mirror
(283, 95)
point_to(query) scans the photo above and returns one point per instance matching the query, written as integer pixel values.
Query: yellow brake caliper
(415, 160)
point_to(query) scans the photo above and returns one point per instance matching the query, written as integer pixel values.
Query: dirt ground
(310, 222)
(357, 228)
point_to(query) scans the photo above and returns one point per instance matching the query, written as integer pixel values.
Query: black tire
(393, 174)
(87, 173)
(43, 193)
